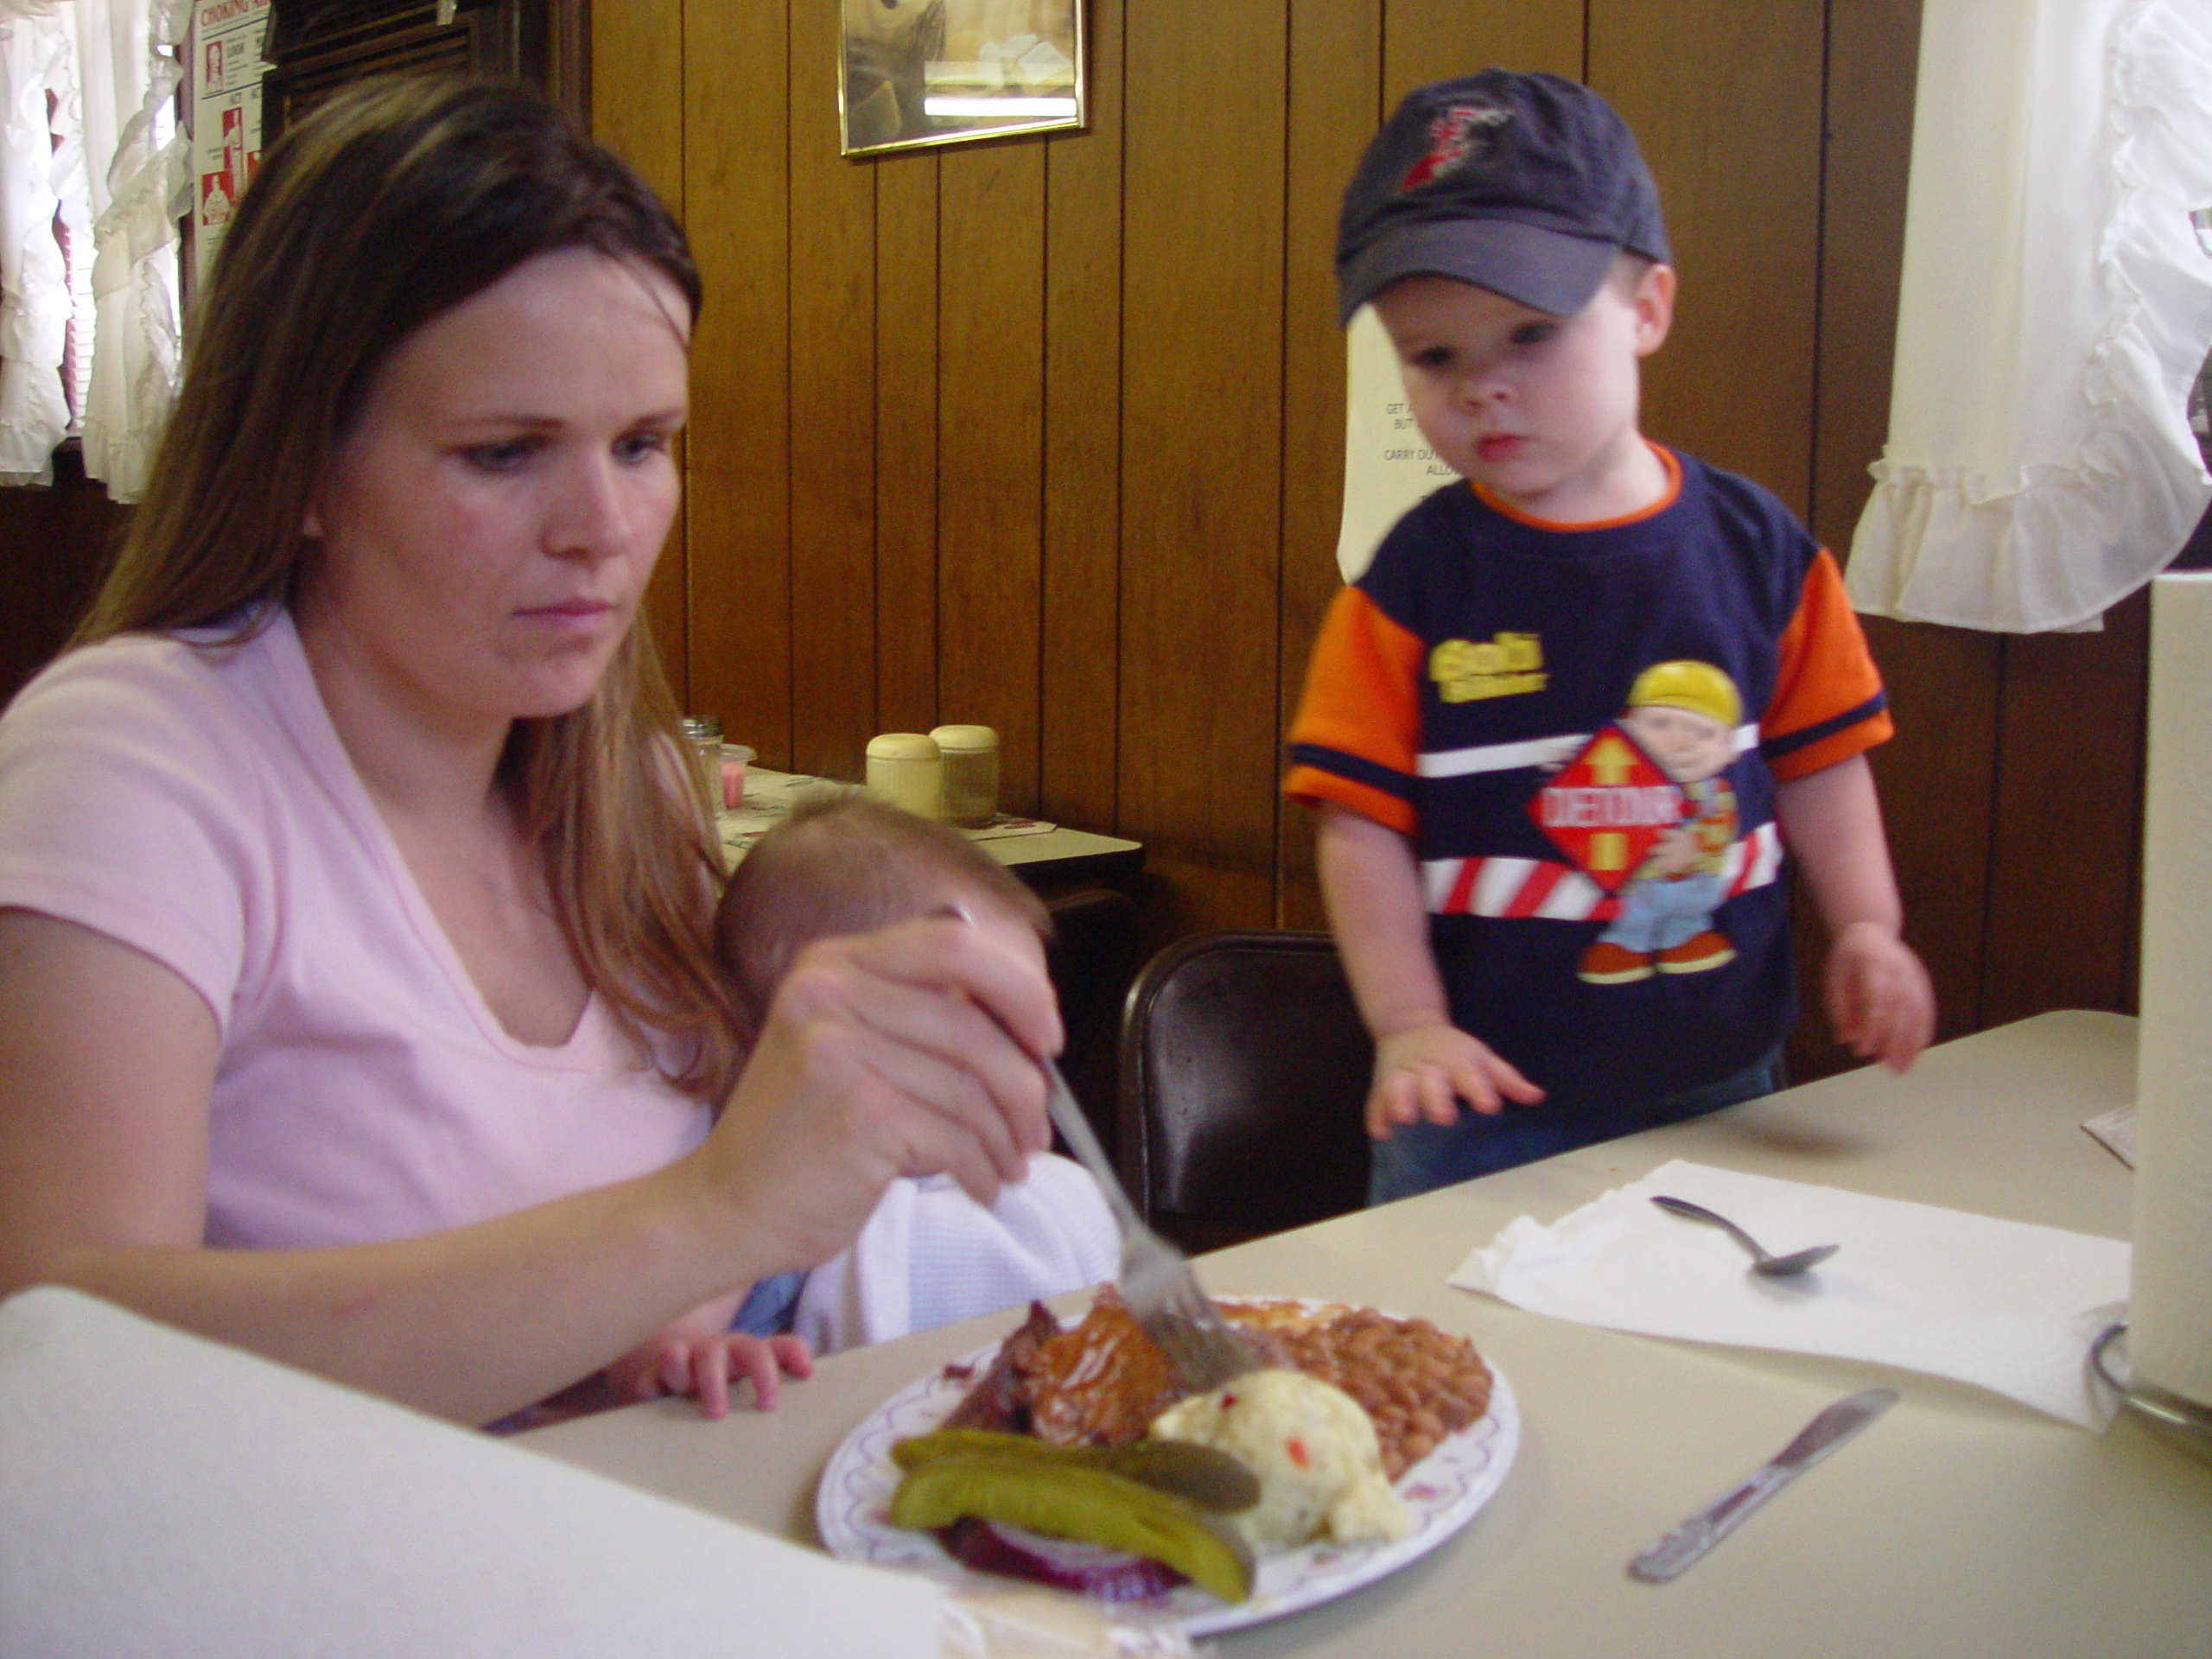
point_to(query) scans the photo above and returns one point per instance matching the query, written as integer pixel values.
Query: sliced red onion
(1089, 1569)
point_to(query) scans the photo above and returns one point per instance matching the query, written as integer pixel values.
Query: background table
(1050, 859)
(1086, 880)
(1960, 1524)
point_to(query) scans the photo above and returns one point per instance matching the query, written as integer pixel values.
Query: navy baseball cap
(1525, 184)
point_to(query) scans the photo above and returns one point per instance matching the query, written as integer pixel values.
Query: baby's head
(845, 862)
(1507, 234)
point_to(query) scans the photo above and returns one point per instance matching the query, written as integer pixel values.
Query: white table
(1959, 1524)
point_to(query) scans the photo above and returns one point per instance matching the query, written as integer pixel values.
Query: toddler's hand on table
(706, 1368)
(1427, 1072)
(1881, 1003)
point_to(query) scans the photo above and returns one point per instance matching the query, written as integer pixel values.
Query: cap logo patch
(1458, 134)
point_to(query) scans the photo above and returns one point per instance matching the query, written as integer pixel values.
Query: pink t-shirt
(196, 805)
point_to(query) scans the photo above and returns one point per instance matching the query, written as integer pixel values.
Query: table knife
(1672, 1554)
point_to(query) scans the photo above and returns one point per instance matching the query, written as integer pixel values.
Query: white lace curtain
(94, 178)
(2056, 308)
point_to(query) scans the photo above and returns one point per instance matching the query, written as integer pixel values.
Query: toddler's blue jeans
(1420, 1157)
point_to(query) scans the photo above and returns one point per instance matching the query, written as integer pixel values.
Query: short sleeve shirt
(192, 800)
(1466, 692)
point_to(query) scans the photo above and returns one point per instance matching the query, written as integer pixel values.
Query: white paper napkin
(2003, 1305)
(161, 1494)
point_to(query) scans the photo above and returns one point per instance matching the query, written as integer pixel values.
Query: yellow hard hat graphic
(1699, 686)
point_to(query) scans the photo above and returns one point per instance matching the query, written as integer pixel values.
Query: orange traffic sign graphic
(1605, 807)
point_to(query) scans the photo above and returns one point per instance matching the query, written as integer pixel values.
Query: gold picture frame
(920, 72)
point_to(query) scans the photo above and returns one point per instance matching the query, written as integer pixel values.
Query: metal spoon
(1772, 1266)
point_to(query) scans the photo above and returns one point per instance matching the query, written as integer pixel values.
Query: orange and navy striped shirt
(1478, 663)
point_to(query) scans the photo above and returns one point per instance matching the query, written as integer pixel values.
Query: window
(91, 184)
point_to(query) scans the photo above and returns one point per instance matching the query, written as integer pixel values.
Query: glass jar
(971, 773)
(702, 736)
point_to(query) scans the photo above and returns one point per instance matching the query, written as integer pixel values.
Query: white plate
(1444, 1490)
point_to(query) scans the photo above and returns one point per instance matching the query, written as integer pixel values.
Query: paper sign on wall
(226, 65)
(1388, 464)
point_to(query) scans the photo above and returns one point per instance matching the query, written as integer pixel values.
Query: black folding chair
(1093, 958)
(1244, 1069)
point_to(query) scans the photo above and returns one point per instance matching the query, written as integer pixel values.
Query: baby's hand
(1880, 1002)
(705, 1367)
(1428, 1070)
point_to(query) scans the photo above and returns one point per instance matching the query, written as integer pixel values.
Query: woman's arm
(886, 1055)
(105, 1062)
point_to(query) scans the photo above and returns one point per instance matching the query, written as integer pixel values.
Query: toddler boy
(1561, 731)
(845, 862)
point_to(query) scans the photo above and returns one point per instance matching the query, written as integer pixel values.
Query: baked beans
(1418, 1383)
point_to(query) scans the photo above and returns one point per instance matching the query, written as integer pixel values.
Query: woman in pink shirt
(357, 1003)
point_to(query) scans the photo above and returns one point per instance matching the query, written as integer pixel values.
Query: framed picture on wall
(938, 72)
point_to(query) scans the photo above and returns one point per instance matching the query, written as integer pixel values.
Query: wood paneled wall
(1046, 433)
(54, 544)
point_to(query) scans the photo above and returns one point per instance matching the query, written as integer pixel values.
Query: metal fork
(1155, 1281)
(1156, 1278)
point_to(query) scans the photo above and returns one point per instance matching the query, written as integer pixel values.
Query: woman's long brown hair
(389, 204)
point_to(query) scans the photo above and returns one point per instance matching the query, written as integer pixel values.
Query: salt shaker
(905, 769)
(971, 773)
(703, 735)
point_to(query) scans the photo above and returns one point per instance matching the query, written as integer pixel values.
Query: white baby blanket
(930, 1255)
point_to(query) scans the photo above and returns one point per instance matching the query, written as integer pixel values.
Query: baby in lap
(844, 863)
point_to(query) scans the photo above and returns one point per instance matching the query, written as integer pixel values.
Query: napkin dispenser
(2170, 1292)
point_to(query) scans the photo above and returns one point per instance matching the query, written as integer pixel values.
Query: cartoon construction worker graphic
(1683, 715)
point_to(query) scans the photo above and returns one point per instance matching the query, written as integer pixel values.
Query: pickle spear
(1069, 1501)
(1209, 1476)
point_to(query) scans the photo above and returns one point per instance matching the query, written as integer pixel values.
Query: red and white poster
(226, 65)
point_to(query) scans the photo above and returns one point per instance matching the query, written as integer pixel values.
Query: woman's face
(489, 526)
